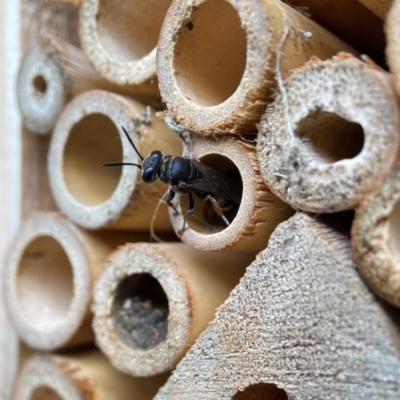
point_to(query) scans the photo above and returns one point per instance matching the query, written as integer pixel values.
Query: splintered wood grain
(301, 324)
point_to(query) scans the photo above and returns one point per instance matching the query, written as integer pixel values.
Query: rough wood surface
(331, 136)
(153, 300)
(218, 63)
(251, 223)
(302, 321)
(375, 239)
(392, 29)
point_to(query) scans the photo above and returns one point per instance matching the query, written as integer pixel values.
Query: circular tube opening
(140, 311)
(210, 54)
(394, 232)
(39, 85)
(45, 393)
(261, 391)
(93, 141)
(329, 138)
(204, 219)
(128, 30)
(44, 282)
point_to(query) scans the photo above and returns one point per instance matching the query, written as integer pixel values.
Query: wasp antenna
(131, 142)
(118, 164)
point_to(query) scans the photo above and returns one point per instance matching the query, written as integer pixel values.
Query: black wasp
(186, 176)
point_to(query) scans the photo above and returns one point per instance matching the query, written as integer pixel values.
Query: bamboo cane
(251, 222)
(301, 324)
(375, 239)
(327, 151)
(378, 7)
(80, 376)
(120, 40)
(393, 41)
(89, 134)
(48, 274)
(219, 62)
(153, 300)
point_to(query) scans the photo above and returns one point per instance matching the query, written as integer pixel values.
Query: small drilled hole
(39, 85)
(328, 138)
(44, 282)
(261, 391)
(140, 311)
(210, 54)
(45, 393)
(204, 219)
(93, 141)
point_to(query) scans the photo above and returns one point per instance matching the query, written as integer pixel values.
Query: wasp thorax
(151, 165)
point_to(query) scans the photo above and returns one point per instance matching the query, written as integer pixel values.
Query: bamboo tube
(80, 376)
(301, 323)
(378, 7)
(120, 40)
(88, 134)
(327, 151)
(349, 20)
(228, 57)
(393, 41)
(375, 239)
(251, 223)
(153, 300)
(48, 274)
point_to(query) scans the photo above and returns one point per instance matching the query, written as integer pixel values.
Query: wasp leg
(188, 212)
(171, 195)
(217, 208)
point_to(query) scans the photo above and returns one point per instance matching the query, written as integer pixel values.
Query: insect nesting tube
(49, 272)
(120, 38)
(89, 134)
(217, 61)
(153, 300)
(332, 137)
(251, 222)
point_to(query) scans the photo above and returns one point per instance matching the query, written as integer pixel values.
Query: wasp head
(150, 166)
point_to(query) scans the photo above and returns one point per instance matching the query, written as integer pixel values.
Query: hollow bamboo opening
(92, 141)
(39, 85)
(128, 30)
(45, 393)
(210, 54)
(204, 219)
(340, 139)
(44, 282)
(261, 391)
(140, 311)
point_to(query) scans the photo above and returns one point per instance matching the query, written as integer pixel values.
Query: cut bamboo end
(153, 300)
(393, 41)
(300, 324)
(219, 62)
(333, 136)
(378, 7)
(251, 222)
(87, 135)
(49, 273)
(375, 242)
(120, 40)
(80, 376)
(41, 91)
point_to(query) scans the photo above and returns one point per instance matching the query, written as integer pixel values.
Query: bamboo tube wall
(221, 65)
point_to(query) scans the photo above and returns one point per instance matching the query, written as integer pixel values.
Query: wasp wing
(219, 184)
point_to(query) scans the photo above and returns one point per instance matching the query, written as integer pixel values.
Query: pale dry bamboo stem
(49, 273)
(219, 62)
(301, 324)
(375, 239)
(378, 7)
(153, 300)
(393, 41)
(80, 376)
(350, 21)
(325, 152)
(120, 40)
(251, 223)
(88, 134)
